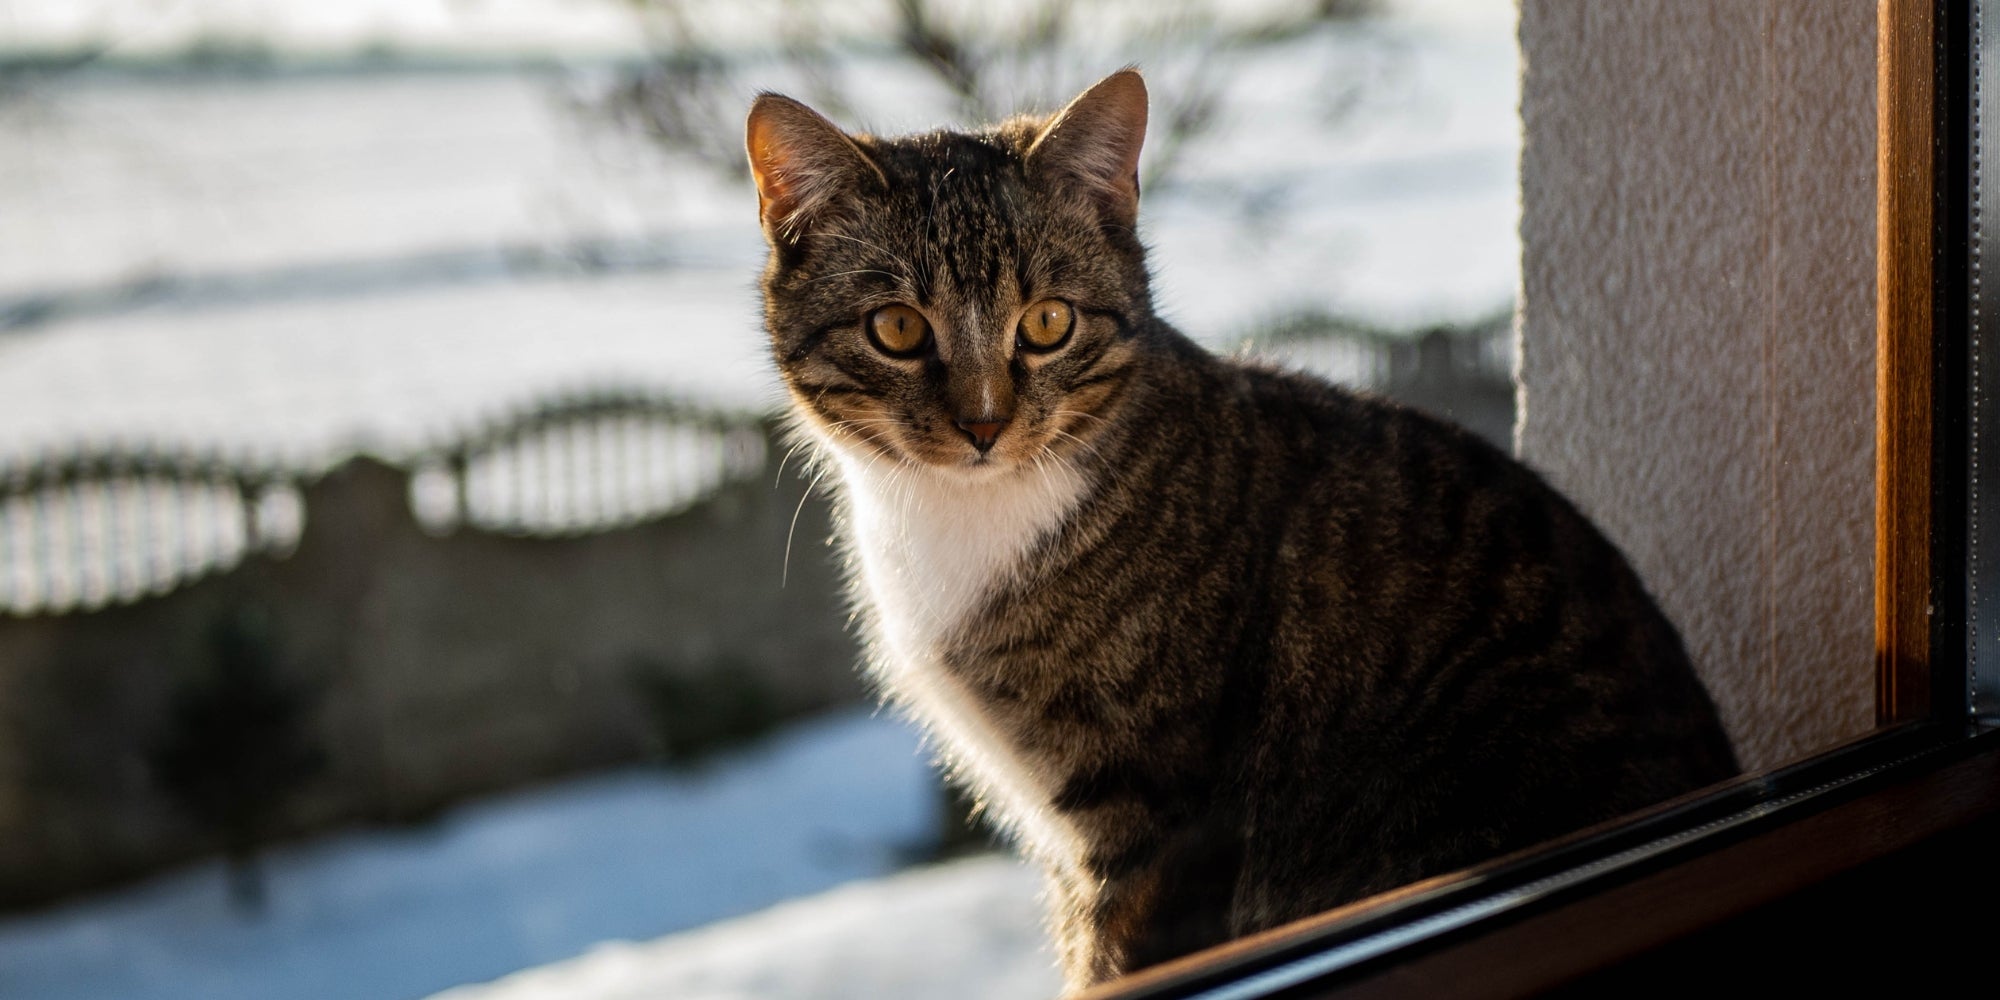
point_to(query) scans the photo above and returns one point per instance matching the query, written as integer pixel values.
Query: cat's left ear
(1094, 142)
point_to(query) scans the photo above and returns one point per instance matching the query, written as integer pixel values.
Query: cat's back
(1446, 644)
(1440, 552)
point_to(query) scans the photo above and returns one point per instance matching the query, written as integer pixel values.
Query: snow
(1402, 215)
(970, 929)
(511, 882)
(600, 27)
(386, 373)
(107, 178)
(139, 27)
(1399, 211)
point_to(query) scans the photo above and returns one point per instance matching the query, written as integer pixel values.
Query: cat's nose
(983, 431)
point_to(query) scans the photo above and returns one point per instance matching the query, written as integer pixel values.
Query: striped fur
(1221, 646)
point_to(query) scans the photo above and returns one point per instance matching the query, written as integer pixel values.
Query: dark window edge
(1653, 878)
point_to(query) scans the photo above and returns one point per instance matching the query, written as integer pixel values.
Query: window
(1811, 666)
(1602, 897)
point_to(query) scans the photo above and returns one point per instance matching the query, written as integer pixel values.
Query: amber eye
(1045, 325)
(898, 330)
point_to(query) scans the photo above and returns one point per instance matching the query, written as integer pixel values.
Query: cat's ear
(802, 164)
(1095, 143)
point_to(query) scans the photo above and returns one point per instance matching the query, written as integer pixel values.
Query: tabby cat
(1220, 646)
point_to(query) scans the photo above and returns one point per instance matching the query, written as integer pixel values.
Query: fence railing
(109, 525)
(585, 463)
(1368, 357)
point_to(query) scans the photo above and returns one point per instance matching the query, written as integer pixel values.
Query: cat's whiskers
(933, 258)
(877, 247)
(930, 214)
(797, 443)
(898, 483)
(1084, 448)
(1068, 464)
(785, 572)
(1050, 454)
(1087, 415)
(866, 422)
(859, 270)
(1063, 435)
(855, 429)
(1040, 463)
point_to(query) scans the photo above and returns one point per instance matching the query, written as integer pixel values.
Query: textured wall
(1697, 323)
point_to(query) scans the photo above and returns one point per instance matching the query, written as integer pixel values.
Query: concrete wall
(429, 668)
(1697, 329)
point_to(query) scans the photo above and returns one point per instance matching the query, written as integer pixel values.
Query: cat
(1218, 645)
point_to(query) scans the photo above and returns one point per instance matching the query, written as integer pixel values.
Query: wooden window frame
(1609, 895)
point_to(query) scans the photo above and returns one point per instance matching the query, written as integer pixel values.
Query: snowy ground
(525, 879)
(969, 929)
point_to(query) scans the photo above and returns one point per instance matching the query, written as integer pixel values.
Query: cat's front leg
(1081, 963)
(1143, 906)
(1099, 927)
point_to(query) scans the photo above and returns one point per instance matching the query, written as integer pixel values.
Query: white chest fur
(930, 548)
(933, 545)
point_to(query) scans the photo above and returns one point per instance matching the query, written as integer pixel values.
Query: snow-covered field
(970, 930)
(542, 876)
(300, 265)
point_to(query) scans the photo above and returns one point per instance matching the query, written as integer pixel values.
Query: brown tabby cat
(1221, 646)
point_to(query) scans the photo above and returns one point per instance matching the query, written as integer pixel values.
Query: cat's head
(965, 301)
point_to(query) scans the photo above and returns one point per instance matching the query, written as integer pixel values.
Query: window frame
(1588, 901)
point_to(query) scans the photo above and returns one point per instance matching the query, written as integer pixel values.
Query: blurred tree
(992, 60)
(236, 745)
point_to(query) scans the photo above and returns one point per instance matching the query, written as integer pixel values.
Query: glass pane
(415, 562)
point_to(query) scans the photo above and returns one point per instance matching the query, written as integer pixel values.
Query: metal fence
(109, 525)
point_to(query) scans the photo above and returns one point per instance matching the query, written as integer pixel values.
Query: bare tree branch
(687, 94)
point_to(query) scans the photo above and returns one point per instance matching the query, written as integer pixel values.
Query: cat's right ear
(802, 164)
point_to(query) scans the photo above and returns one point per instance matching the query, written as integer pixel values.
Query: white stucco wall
(1697, 330)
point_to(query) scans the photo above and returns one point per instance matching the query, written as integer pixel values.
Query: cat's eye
(1045, 325)
(898, 330)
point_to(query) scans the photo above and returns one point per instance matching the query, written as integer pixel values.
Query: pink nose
(982, 432)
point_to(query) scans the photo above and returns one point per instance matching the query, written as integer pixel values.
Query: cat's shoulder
(1308, 402)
